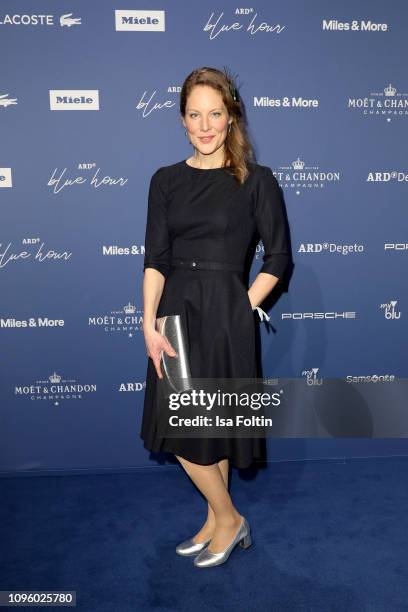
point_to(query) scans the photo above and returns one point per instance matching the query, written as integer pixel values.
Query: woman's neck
(205, 162)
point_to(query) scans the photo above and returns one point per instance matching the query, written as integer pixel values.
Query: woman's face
(206, 119)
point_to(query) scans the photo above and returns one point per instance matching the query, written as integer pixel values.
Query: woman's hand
(155, 344)
(249, 298)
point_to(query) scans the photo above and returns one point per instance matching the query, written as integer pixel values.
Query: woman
(202, 215)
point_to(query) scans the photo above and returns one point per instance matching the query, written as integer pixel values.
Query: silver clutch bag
(176, 370)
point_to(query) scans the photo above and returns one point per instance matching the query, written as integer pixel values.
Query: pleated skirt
(219, 326)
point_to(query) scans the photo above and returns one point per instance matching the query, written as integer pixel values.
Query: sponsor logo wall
(326, 97)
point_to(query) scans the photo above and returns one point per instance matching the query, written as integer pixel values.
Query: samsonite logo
(74, 99)
(139, 21)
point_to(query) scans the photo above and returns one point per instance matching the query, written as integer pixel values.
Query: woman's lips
(207, 138)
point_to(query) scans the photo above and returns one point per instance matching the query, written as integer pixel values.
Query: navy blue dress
(199, 214)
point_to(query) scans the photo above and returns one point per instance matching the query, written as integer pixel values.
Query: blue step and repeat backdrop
(89, 95)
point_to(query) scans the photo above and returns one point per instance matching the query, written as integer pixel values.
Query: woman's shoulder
(165, 175)
(262, 174)
(170, 168)
(260, 169)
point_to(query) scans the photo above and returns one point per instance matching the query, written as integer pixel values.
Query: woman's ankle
(231, 520)
(211, 522)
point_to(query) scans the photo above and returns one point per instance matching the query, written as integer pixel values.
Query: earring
(229, 127)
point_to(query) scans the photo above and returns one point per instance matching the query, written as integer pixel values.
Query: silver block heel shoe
(206, 558)
(188, 548)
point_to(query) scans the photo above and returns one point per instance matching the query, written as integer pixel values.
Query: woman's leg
(208, 528)
(209, 525)
(210, 481)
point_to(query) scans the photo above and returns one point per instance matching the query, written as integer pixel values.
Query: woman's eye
(193, 115)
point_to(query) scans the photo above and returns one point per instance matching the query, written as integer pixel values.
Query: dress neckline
(204, 169)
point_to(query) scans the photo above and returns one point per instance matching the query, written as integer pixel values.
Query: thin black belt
(205, 264)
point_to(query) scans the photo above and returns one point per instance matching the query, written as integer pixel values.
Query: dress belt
(205, 264)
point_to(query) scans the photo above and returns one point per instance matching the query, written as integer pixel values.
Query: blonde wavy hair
(238, 150)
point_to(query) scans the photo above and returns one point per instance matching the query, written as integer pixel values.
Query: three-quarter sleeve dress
(200, 215)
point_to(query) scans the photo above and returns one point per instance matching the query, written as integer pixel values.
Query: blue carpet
(327, 536)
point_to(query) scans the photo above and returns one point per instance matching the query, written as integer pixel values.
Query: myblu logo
(390, 311)
(74, 99)
(311, 377)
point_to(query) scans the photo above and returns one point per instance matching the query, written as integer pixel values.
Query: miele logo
(40, 20)
(5, 177)
(386, 177)
(74, 99)
(302, 316)
(354, 26)
(286, 102)
(330, 247)
(139, 21)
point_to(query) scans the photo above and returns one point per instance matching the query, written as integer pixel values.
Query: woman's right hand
(155, 344)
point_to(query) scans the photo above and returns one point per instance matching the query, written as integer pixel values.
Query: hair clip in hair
(233, 90)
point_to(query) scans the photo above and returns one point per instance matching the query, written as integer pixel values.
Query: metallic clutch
(176, 370)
